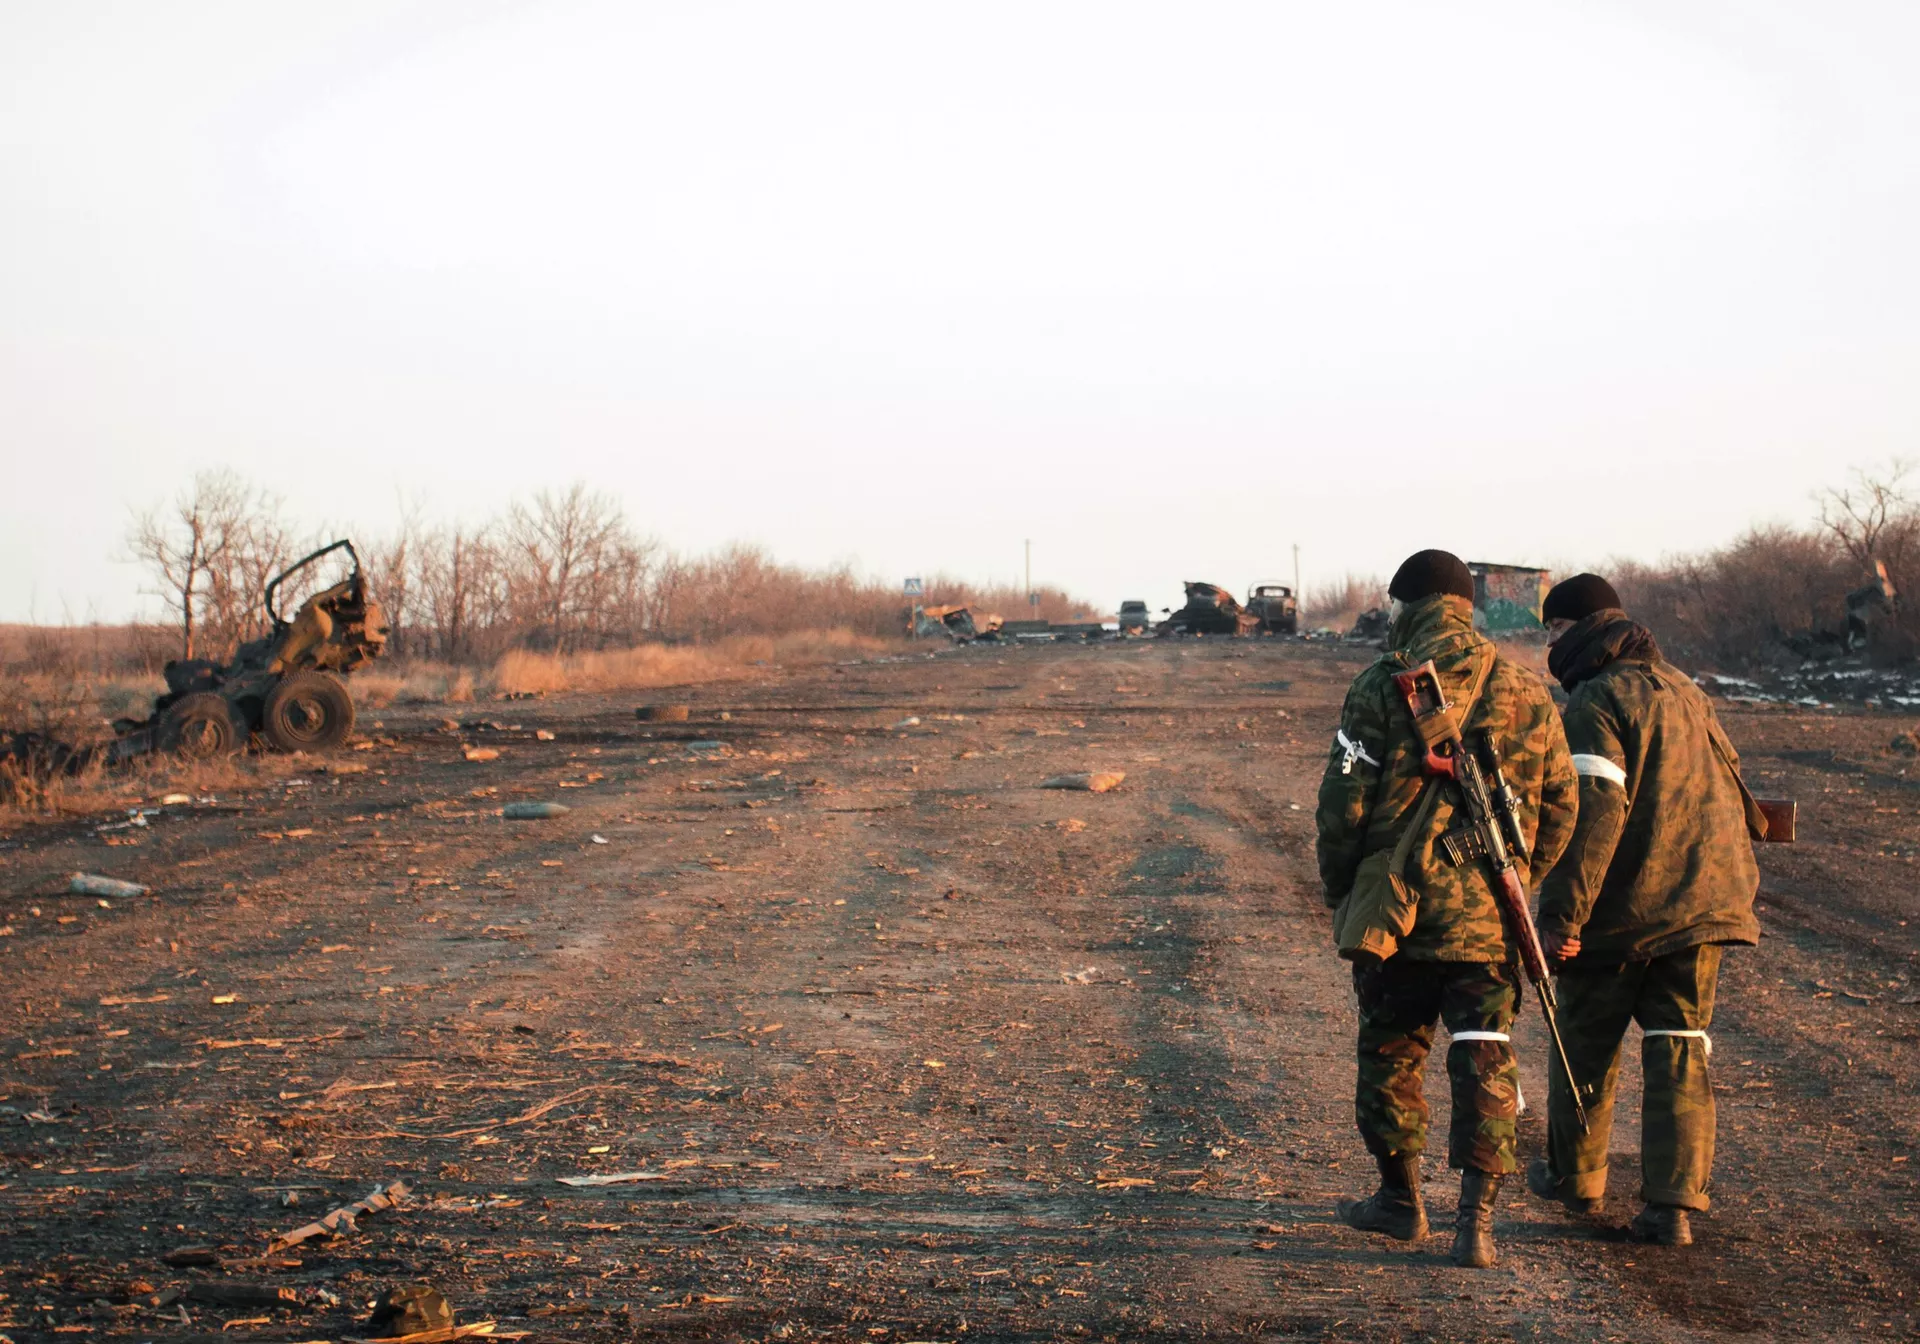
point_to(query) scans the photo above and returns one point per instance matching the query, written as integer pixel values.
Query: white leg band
(1695, 1035)
(1519, 1096)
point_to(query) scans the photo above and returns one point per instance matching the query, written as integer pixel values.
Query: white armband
(1598, 767)
(1353, 752)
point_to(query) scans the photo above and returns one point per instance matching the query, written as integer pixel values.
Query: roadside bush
(1778, 591)
(1339, 603)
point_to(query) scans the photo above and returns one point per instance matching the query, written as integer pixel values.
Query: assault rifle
(1491, 832)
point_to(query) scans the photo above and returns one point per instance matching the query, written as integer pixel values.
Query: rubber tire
(307, 711)
(199, 727)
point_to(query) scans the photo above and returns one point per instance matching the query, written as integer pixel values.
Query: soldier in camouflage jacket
(1425, 936)
(1660, 875)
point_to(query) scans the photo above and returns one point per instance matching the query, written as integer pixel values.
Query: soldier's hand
(1559, 947)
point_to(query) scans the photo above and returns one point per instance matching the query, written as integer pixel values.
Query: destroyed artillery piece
(1875, 601)
(287, 686)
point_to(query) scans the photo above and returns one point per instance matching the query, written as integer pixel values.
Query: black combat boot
(1395, 1208)
(1662, 1225)
(1473, 1224)
(1542, 1181)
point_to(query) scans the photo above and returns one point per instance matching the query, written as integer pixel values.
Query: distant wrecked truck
(1276, 609)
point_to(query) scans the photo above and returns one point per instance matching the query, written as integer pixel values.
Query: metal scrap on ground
(341, 1220)
(1099, 781)
(613, 1178)
(92, 884)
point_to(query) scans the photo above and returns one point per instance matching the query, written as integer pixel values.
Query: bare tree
(558, 548)
(1861, 516)
(394, 565)
(260, 545)
(181, 546)
(458, 591)
(210, 554)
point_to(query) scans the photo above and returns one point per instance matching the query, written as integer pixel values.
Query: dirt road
(906, 1047)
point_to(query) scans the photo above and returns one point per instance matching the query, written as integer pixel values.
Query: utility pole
(1029, 571)
(1297, 594)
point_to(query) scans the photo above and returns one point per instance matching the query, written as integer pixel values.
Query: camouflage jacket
(1374, 785)
(1661, 859)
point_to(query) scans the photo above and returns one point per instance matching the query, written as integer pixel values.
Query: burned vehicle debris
(1866, 606)
(961, 624)
(1210, 610)
(1371, 626)
(288, 686)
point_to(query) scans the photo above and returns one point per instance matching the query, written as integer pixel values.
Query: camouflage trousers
(1400, 1001)
(1671, 993)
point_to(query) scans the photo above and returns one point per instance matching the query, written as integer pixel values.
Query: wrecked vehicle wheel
(307, 711)
(199, 727)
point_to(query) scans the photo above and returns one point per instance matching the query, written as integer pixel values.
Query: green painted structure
(1507, 598)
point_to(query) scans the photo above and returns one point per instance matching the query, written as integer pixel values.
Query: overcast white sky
(1167, 288)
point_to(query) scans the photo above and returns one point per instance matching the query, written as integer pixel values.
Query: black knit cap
(1577, 598)
(1425, 573)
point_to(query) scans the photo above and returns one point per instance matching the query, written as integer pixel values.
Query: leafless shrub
(1339, 602)
(1755, 599)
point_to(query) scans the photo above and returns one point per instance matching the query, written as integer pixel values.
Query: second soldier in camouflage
(1659, 877)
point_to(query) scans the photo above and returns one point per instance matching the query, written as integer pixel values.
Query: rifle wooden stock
(1512, 898)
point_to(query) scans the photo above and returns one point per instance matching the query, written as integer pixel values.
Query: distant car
(1133, 617)
(1274, 606)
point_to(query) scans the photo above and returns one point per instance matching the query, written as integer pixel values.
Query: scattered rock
(1907, 743)
(663, 713)
(481, 753)
(533, 811)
